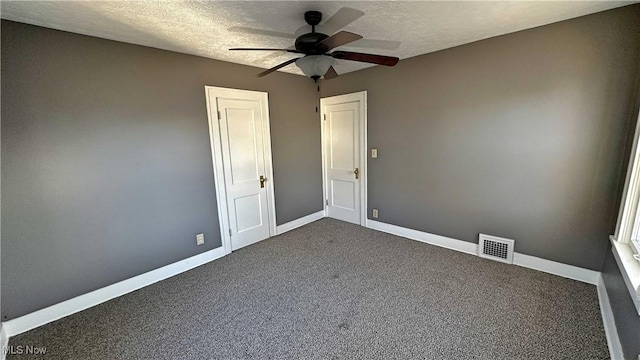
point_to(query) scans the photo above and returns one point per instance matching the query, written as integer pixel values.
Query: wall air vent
(496, 248)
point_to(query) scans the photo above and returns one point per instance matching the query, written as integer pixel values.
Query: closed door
(343, 163)
(245, 151)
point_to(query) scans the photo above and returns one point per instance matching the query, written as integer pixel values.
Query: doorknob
(357, 172)
(262, 180)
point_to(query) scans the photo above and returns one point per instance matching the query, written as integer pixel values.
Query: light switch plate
(374, 153)
(199, 239)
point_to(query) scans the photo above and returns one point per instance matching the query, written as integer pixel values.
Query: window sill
(630, 269)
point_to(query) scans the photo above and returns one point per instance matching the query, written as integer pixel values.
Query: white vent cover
(496, 248)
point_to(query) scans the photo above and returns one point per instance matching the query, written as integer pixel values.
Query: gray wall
(520, 136)
(106, 162)
(624, 312)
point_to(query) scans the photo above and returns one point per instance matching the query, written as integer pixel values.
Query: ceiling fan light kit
(315, 66)
(317, 62)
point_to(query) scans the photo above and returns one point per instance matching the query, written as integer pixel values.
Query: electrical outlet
(375, 213)
(199, 239)
(374, 153)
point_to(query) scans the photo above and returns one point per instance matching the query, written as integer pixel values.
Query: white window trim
(635, 247)
(625, 243)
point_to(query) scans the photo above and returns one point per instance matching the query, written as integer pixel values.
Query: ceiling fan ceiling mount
(313, 18)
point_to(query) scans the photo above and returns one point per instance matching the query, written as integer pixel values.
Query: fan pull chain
(317, 95)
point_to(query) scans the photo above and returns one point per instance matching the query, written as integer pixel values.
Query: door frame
(360, 96)
(211, 93)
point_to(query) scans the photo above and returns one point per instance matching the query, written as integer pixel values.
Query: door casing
(361, 97)
(211, 93)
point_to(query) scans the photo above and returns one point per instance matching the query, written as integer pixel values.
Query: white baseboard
(610, 330)
(82, 302)
(442, 241)
(4, 342)
(556, 268)
(281, 229)
(531, 262)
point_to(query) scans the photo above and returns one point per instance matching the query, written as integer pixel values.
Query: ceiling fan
(317, 61)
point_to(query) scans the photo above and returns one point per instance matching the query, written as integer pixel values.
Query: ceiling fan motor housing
(309, 43)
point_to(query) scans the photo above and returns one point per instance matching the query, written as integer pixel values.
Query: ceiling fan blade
(267, 72)
(267, 49)
(247, 30)
(340, 19)
(274, 57)
(368, 58)
(331, 73)
(376, 44)
(340, 38)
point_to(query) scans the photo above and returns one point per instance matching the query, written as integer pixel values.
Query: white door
(243, 146)
(343, 137)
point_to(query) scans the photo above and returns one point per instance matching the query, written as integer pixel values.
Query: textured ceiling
(209, 29)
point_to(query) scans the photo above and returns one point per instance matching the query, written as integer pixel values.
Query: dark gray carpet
(332, 290)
